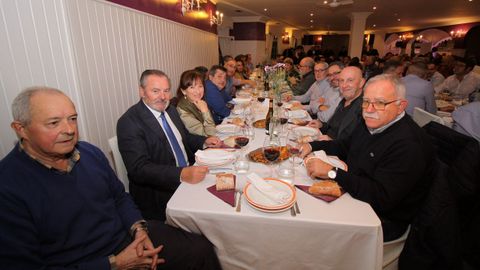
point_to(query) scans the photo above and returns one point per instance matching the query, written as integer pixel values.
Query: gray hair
(21, 103)
(148, 72)
(397, 83)
(309, 62)
(324, 64)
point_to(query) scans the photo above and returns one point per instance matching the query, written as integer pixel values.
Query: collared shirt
(73, 158)
(381, 129)
(437, 78)
(469, 84)
(174, 129)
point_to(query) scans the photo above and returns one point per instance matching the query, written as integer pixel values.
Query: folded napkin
(297, 114)
(227, 196)
(241, 100)
(322, 156)
(214, 155)
(325, 198)
(276, 195)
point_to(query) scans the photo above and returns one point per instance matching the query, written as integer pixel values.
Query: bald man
(348, 112)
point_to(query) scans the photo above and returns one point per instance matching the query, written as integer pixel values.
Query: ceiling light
(311, 14)
(265, 9)
(311, 20)
(374, 7)
(325, 2)
(398, 19)
(374, 25)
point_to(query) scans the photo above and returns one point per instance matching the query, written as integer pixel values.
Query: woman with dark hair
(191, 107)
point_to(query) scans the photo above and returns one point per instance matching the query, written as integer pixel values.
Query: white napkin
(241, 100)
(276, 195)
(227, 128)
(297, 114)
(322, 156)
(214, 155)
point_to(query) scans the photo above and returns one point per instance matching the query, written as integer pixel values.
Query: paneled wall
(94, 51)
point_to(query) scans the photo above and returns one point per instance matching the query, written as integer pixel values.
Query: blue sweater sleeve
(217, 103)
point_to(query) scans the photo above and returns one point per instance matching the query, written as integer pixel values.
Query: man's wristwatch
(332, 174)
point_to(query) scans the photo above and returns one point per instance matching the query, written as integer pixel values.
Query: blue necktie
(173, 141)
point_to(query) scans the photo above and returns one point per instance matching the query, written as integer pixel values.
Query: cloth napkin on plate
(214, 155)
(276, 195)
(297, 114)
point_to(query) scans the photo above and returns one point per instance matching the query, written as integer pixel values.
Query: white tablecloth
(343, 234)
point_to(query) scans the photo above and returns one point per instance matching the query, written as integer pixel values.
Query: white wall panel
(94, 51)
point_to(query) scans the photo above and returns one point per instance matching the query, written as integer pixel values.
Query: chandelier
(217, 18)
(191, 5)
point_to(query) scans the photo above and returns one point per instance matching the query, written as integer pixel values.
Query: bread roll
(325, 187)
(225, 181)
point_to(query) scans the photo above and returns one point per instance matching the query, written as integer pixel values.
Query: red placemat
(227, 196)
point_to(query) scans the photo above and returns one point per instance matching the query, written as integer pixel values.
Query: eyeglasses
(333, 74)
(319, 70)
(377, 105)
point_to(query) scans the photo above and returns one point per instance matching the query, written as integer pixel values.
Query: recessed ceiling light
(311, 20)
(311, 14)
(325, 2)
(398, 19)
(374, 25)
(265, 9)
(311, 26)
(469, 0)
(374, 7)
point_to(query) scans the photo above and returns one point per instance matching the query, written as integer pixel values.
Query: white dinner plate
(271, 211)
(227, 128)
(306, 131)
(214, 157)
(332, 160)
(259, 200)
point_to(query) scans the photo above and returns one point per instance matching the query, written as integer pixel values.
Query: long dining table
(343, 234)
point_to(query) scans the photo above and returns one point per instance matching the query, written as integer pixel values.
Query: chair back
(422, 117)
(120, 168)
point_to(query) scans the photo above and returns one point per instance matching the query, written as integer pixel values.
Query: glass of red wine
(241, 140)
(293, 146)
(261, 96)
(271, 151)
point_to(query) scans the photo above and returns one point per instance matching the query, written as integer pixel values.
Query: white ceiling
(413, 14)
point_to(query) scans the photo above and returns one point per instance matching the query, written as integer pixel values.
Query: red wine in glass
(261, 99)
(279, 104)
(271, 154)
(294, 151)
(241, 141)
(283, 121)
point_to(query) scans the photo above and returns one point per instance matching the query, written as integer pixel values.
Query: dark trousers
(181, 250)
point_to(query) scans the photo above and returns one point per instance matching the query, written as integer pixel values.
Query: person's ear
(19, 128)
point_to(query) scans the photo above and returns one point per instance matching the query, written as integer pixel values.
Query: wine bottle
(269, 117)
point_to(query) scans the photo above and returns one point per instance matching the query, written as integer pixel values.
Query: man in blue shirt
(215, 95)
(62, 206)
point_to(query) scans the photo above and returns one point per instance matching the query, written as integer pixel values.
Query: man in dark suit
(156, 147)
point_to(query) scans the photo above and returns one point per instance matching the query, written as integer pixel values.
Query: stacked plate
(262, 203)
(227, 128)
(214, 157)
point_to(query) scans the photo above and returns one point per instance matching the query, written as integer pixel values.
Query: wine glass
(293, 146)
(283, 116)
(271, 151)
(241, 140)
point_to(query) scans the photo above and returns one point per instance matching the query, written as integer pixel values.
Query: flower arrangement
(275, 76)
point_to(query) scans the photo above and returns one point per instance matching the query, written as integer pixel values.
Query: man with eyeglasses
(348, 112)
(305, 69)
(389, 157)
(316, 90)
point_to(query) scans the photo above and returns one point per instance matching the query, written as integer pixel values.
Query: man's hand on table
(315, 124)
(139, 254)
(316, 168)
(213, 142)
(193, 174)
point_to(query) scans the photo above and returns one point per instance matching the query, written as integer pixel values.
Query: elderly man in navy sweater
(62, 207)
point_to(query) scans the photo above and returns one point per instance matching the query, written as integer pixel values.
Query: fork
(239, 202)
